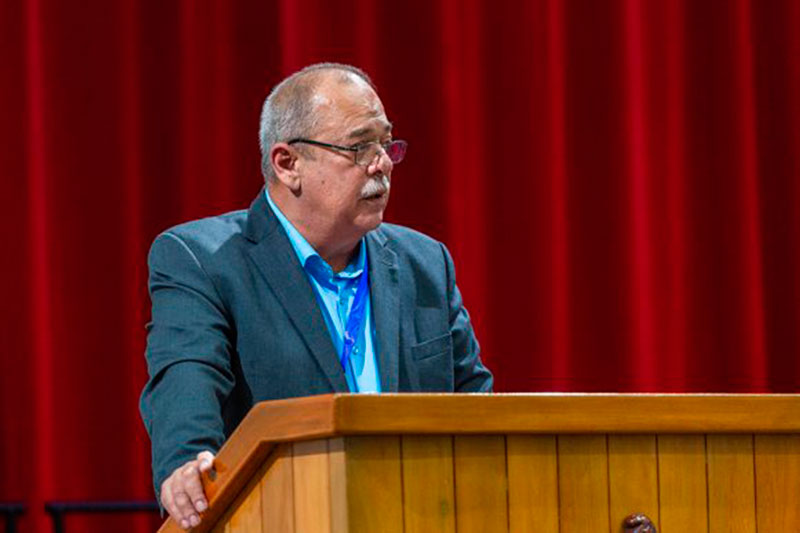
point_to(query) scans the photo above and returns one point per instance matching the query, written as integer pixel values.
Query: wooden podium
(492, 463)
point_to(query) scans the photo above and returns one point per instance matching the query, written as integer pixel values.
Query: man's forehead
(352, 109)
(379, 126)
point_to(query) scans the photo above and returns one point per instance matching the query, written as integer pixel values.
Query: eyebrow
(360, 132)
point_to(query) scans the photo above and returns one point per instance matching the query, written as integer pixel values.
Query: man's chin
(369, 221)
(375, 221)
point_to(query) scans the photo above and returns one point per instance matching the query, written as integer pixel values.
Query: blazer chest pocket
(432, 347)
(433, 363)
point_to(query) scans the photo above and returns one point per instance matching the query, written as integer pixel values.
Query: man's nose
(382, 164)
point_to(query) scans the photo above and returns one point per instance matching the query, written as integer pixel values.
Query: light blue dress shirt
(335, 293)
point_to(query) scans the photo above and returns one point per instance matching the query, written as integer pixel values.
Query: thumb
(206, 459)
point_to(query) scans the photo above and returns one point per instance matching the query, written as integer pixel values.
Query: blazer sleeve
(470, 375)
(188, 358)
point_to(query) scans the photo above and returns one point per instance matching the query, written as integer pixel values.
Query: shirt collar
(310, 259)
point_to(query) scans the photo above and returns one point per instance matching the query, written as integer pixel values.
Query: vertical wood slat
(682, 483)
(247, 515)
(632, 477)
(244, 513)
(532, 483)
(337, 466)
(312, 506)
(374, 484)
(277, 492)
(481, 484)
(731, 484)
(428, 484)
(583, 483)
(777, 482)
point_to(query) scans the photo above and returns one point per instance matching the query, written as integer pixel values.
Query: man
(304, 293)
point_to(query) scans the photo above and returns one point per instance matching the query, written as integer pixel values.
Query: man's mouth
(375, 195)
(376, 189)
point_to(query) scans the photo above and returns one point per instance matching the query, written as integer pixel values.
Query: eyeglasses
(365, 153)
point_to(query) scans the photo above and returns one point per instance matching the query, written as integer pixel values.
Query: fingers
(175, 496)
(182, 492)
(168, 501)
(206, 460)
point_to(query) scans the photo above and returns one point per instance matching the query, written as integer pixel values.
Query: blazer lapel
(276, 259)
(385, 302)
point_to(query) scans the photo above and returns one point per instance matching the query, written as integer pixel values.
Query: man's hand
(182, 492)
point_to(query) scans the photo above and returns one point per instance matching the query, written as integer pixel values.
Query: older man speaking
(306, 292)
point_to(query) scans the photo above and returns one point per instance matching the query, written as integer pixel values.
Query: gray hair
(289, 110)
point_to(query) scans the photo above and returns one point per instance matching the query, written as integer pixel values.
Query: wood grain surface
(481, 484)
(683, 491)
(312, 504)
(328, 416)
(277, 491)
(532, 483)
(731, 484)
(246, 516)
(428, 484)
(777, 482)
(374, 484)
(633, 477)
(568, 413)
(583, 484)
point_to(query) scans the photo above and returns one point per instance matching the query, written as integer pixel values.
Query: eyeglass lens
(396, 150)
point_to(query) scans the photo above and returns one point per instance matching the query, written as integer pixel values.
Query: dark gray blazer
(235, 322)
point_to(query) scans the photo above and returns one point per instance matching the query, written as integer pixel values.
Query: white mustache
(376, 186)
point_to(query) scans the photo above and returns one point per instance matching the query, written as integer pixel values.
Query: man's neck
(338, 261)
(337, 254)
(330, 246)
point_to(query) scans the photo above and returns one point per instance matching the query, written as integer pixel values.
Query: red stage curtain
(618, 181)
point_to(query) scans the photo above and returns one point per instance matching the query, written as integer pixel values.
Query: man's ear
(284, 164)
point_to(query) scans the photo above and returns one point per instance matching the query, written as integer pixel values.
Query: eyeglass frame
(353, 149)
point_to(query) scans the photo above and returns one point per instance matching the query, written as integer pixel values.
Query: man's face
(345, 199)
